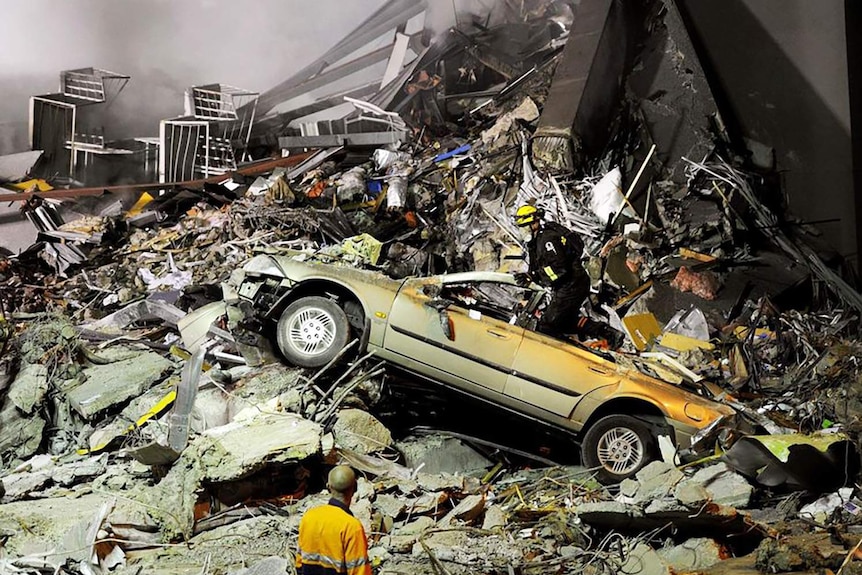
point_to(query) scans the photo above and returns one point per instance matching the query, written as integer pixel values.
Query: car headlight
(262, 265)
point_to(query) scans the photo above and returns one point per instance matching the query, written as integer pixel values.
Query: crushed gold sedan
(470, 331)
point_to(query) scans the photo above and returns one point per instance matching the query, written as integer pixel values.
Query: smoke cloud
(167, 46)
(164, 45)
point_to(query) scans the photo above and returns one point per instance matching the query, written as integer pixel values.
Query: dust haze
(167, 46)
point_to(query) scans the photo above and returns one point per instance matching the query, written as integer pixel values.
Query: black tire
(618, 446)
(311, 331)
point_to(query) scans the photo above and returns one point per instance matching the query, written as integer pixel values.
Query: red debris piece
(702, 284)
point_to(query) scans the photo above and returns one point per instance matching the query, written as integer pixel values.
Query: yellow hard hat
(526, 215)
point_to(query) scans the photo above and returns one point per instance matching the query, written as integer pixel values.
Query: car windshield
(501, 301)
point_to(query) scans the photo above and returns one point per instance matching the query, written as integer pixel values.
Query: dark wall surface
(780, 69)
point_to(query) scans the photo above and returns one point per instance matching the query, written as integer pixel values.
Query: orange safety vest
(332, 541)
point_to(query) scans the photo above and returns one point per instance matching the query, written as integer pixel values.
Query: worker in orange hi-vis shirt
(331, 540)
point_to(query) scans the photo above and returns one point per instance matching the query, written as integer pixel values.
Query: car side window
(498, 300)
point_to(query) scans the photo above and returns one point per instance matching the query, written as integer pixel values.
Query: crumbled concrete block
(20, 485)
(426, 503)
(643, 560)
(440, 481)
(444, 544)
(360, 431)
(29, 387)
(241, 448)
(628, 488)
(114, 383)
(653, 470)
(362, 510)
(467, 510)
(438, 453)
(494, 517)
(22, 434)
(691, 494)
(664, 505)
(211, 409)
(605, 507)
(389, 505)
(656, 480)
(725, 486)
(403, 537)
(78, 471)
(256, 387)
(226, 453)
(416, 526)
(694, 554)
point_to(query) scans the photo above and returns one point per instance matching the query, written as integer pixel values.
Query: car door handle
(599, 371)
(498, 334)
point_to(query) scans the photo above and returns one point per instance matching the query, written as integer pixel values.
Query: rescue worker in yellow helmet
(331, 540)
(555, 262)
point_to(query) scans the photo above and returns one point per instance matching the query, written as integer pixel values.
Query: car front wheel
(311, 331)
(617, 446)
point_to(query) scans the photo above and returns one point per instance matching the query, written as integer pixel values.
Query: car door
(554, 375)
(456, 331)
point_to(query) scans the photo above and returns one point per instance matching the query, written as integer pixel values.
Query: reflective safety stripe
(549, 271)
(332, 542)
(337, 564)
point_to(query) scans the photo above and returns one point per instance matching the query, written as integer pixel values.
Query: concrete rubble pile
(124, 449)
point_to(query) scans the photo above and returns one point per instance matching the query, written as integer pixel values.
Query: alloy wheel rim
(620, 450)
(311, 331)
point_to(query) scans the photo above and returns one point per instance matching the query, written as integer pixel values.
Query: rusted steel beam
(252, 170)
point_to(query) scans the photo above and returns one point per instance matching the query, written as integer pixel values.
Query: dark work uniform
(555, 262)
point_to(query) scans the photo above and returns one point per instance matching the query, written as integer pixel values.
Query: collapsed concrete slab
(114, 383)
(38, 476)
(22, 434)
(137, 412)
(37, 528)
(222, 454)
(458, 546)
(402, 537)
(28, 477)
(21, 424)
(722, 486)
(29, 387)
(438, 453)
(252, 544)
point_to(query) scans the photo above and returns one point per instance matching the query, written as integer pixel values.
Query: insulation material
(701, 284)
(606, 197)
